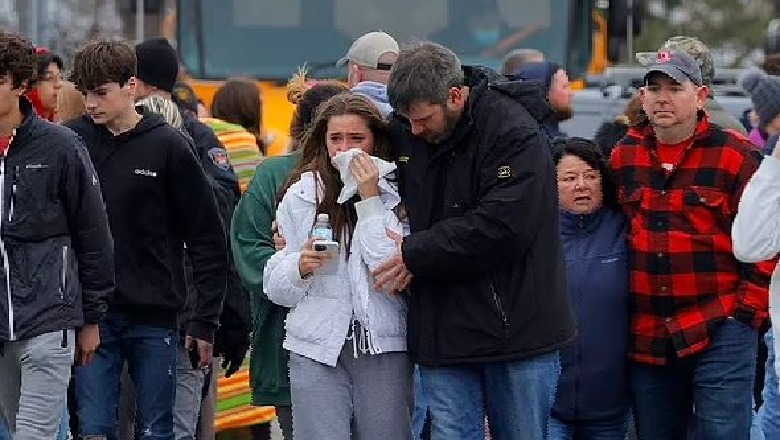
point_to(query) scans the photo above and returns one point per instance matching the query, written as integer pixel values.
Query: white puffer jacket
(323, 306)
(756, 233)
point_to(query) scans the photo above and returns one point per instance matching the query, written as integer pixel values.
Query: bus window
(411, 19)
(521, 14)
(269, 39)
(487, 30)
(271, 13)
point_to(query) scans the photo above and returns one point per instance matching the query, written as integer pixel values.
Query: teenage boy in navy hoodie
(157, 199)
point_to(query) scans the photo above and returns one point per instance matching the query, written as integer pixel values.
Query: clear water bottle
(322, 229)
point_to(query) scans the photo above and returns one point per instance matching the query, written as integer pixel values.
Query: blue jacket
(543, 73)
(594, 374)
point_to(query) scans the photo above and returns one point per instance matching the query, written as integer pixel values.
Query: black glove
(233, 344)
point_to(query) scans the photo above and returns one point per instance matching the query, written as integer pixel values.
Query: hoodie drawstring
(361, 339)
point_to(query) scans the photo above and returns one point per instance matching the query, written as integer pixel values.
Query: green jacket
(252, 244)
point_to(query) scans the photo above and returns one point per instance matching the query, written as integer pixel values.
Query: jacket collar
(29, 118)
(306, 189)
(576, 224)
(480, 80)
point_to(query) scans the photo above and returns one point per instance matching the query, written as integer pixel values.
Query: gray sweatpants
(189, 390)
(34, 376)
(364, 398)
(209, 405)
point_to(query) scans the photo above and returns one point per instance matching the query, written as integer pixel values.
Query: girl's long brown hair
(238, 101)
(315, 158)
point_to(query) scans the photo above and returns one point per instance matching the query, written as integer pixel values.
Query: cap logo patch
(664, 57)
(220, 158)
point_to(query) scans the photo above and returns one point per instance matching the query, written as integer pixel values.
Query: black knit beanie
(157, 63)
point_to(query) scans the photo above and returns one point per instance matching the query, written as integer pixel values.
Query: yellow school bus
(269, 39)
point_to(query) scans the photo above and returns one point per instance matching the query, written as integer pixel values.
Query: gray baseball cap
(693, 47)
(366, 50)
(677, 65)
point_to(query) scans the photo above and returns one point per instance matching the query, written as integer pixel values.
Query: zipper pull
(3, 173)
(14, 184)
(64, 272)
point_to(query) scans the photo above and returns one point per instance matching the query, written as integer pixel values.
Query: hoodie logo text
(147, 173)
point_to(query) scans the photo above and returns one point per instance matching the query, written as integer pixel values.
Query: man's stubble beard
(563, 113)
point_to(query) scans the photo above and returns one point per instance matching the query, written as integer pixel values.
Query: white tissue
(342, 160)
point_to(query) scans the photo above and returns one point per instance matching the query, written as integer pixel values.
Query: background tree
(734, 29)
(9, 19)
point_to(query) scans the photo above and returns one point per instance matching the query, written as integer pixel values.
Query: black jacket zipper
(499, 306)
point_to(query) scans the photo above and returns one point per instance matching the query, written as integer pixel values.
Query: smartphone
(332, 248)
(194, 356)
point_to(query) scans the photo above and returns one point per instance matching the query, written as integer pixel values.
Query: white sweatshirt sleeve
(374, 220)
(282, 280)
(756, 229)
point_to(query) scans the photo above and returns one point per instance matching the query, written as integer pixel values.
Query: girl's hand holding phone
(312, 259)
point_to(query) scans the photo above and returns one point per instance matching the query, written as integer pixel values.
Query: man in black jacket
(56, 252)
(157, 198)
(488, 303)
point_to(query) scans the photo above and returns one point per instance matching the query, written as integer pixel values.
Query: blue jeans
(718, 383)
(588, 430)
(64, 424)
(769, 413)
(4, 434)
(517, 397)
(150, 353)
(420, 406)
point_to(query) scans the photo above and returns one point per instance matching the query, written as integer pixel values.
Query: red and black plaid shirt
(685, 279)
